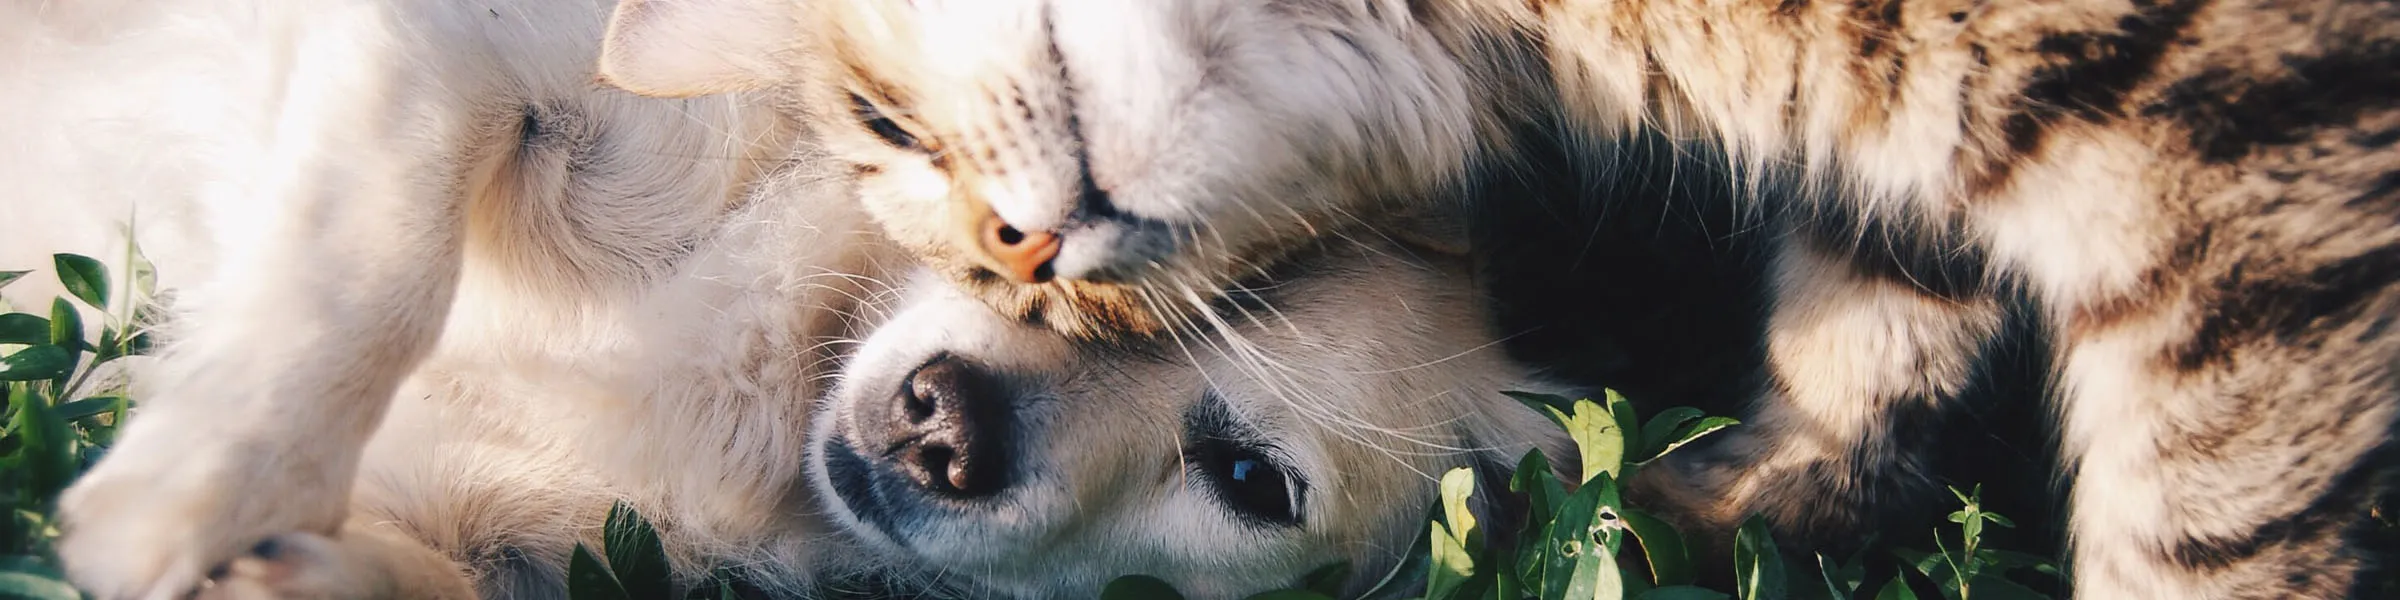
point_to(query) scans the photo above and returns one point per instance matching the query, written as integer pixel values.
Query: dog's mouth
(851, 478)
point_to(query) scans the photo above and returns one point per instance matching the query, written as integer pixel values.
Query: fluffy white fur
(441, 298)
(347, 193)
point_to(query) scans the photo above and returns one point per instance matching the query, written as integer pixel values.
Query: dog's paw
(291, 566)
(150, 522)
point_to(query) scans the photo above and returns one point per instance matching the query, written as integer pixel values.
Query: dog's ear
(676, 48)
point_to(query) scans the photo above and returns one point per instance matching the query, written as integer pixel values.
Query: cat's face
(1097, 166)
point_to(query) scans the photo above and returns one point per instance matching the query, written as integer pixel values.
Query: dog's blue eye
(1249, 481)
(1237, 465)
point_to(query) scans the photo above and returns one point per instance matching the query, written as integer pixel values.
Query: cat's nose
(1021, 256)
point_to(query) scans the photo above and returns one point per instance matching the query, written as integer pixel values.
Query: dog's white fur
(579, 296)
(339, 190)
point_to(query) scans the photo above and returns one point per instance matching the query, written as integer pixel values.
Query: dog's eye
(883, 126)
(1249, 481)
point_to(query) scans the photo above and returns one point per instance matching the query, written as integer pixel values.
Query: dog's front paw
(150, 521)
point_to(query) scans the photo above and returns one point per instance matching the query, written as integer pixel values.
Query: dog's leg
(1860, 368)
(253, 423)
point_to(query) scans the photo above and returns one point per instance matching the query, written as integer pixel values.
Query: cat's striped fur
(2203, 197)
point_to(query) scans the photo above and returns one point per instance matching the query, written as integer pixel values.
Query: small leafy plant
(62, 410)
(636, 566)
(1571, 541)
(1578, 544)
(1971, 571)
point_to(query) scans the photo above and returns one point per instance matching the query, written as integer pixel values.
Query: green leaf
(1965, 498)
(21, 328)
(88, 407)
(1841, 581)
(1540, 485)
(106, 350)
(1455, 542)
(1693, 432)
(83, 277)
(1896, 590)
(725, 590)
(1597, 576)
(1139, 587)
(1458, 486)
(2007, 561)
(49, 452)
(1500, 565)
(66, 325)
(1328, 579)
(142, 275)
(137, 344)
(1757, 565)
(1543, 494)
(587, 579)
(1682, 592)
(1657, 432)
(27, 578)
(1538, 400)
(1662, 547)
(635, 555)
(8, 277)
(1627, 420)
(1453, 564)
(1583, 529)
(1933, 566)
(36, 363)
(1598, 439)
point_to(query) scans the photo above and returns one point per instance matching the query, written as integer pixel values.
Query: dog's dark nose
(948, 429)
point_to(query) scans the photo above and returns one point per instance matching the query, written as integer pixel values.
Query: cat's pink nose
(1023, 256)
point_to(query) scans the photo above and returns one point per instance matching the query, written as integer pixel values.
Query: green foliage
(1972, 571)
(62, 409)
(635, 567)
(1574, 541)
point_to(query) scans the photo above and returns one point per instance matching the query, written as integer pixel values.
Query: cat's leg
(2232, 427)
(1861, 366)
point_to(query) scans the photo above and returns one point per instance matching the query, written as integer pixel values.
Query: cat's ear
(678, 48)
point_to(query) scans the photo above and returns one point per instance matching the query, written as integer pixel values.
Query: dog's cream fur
(343, 194)
(1369, 371)
(425, 223)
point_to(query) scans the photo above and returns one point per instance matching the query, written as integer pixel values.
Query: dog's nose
(950, 429)
(1023, 256)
